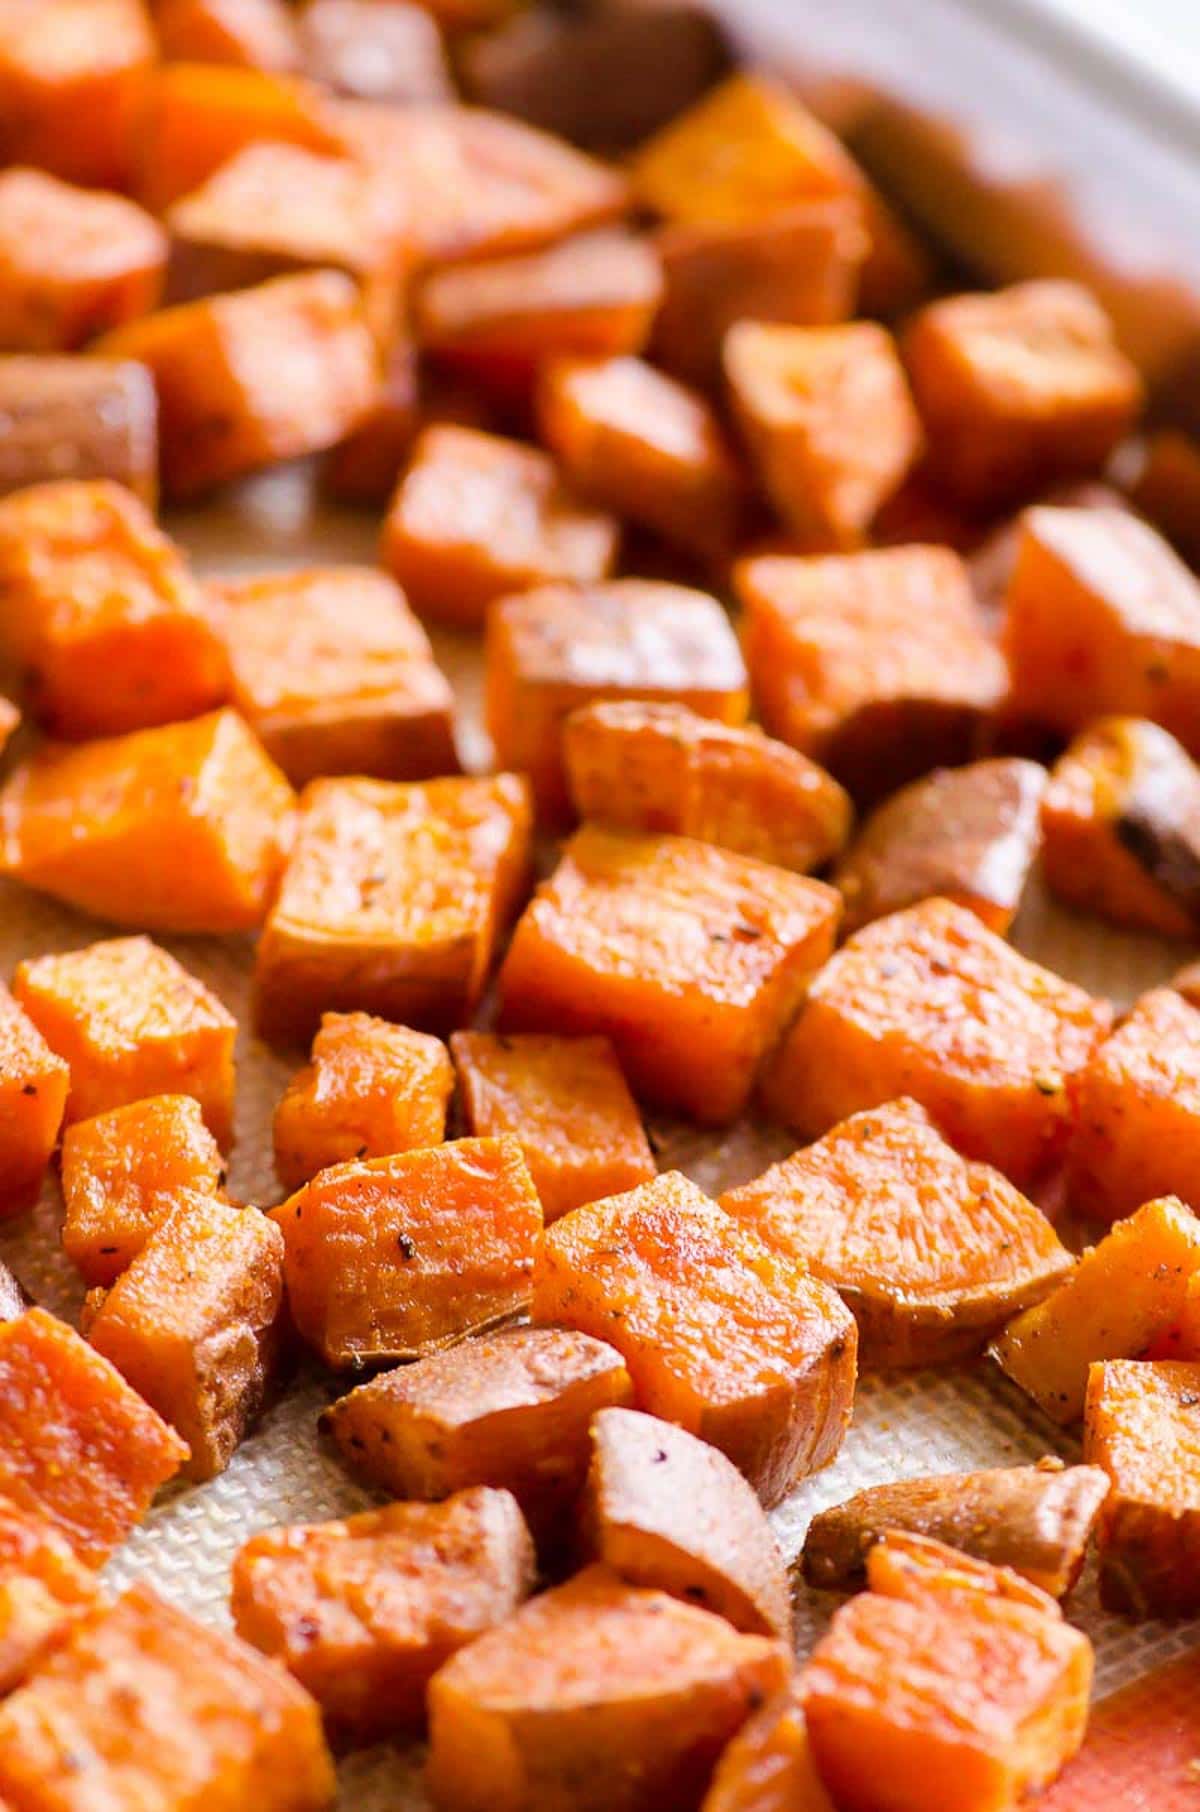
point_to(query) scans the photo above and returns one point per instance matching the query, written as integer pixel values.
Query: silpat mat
(903, 1424)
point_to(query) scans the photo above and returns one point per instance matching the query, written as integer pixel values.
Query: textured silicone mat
(903, 1425)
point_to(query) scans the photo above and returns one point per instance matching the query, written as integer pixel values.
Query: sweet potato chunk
(131, 1022)
(929, 1252)
(371, 1089)
(551, 650)
(916, 1568)
(1019, 388)
(664, 1509)
(1034, 1520)
(393, 901)
(476, 517)
(91, 585)
(248, 379)
(364, 1612)
(251, 34)
(596, 1697)
(71, 79)
(769, 1767)
(1124, 1293)
(180, 828)
(42, 1586)
(394, 1257)
(964, 834)
(121, 1173)
(875, 664)
(929, 1003)
(1141, 1421)
(1102, 618)
(33, 1097)
(1141, 1737)
(375, 50)
(1166, 490)
(336, 676)
(639, 443)
(168, 1713)
(77, 1444)
(655, 1272)
(71, 418)
(690, 958)
(365, 466)
(566, 1102)
(509, 1409)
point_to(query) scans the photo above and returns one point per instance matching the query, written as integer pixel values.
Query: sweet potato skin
(1140, 1421)
(769, 1767)
(33, 1097)
(78, 419)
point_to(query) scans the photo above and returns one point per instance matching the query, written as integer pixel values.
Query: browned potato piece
(665, 1509)
(1035, 1520)
(1142, 1420)
(78, 418)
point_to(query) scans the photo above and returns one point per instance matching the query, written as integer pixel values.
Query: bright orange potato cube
(252, 34)
(395, 1257)
(335, 675)
(1166, 489)
(655, 1272)
(644, 446)
(375, 50)
(769, 1766)
(906, 1564)
(1141, 1425)
(929, 1003)
(393, 902)
(78, 1446)
(169, 1713)
(71, 82)
(875, 664)
(256, 377)
(371, 1089)
(131, 1022)
(122, 1171)
(181, 828)
(551, 650)
(596, 1693)
(566, 1102)
(690, 958)
(92, 585)
(42, 1586)
(1018, 388)
(476, 517)
(364, 1612)
(33, 1096)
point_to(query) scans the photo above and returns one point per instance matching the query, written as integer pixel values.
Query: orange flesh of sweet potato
(371, 1089)
(398, 1256)
(596, 1697)
(182, 828)
(33, 1096)
(167, 1713)
(661, 767)
(568, 1104)
(916, 1567)
(1140, 1753)
(768, 1767)
(42, 1586)
(77, 1445)
(364, 1612)
(1124, 1293)
(476, 517)
(664, 1509)
(1142, 1424)
(72, 418)
(121, 1173)
(393, 901)
(131, 1022)
(929, 1252)
(509, 1409)
(336, 676)
(734, 1343)
(251, 34)
(71, 82)
(1166, 489)
(375, 50)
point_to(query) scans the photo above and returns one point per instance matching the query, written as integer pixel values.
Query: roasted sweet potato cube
(90, 585)
(168, 1713)
(510, 1409)
(364, 468)
(375, 50)
(393, 901)
(131, 1022)
(552, 650)
(690, 958)
(638, 442)
(71, 81)
(42, 1586)
(1166, 489)
(875, 664)
(249, 379)
(122, 1172)
(390, 1258)
(1123, 1294)
(595, 1695)
(768, 1767)
(72, 418)
(930, 1003)
(336, 676)
(364, 1612)
(251, 34)
(181, 828)
(33, 1096)
(1143, 1733)
(77, 1444)
(1102, 617)
(918, 1567)
(653, 767)
(476, 517)
(929, 1252)
(654, 1271)
(1019, 388)
(964, 834)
